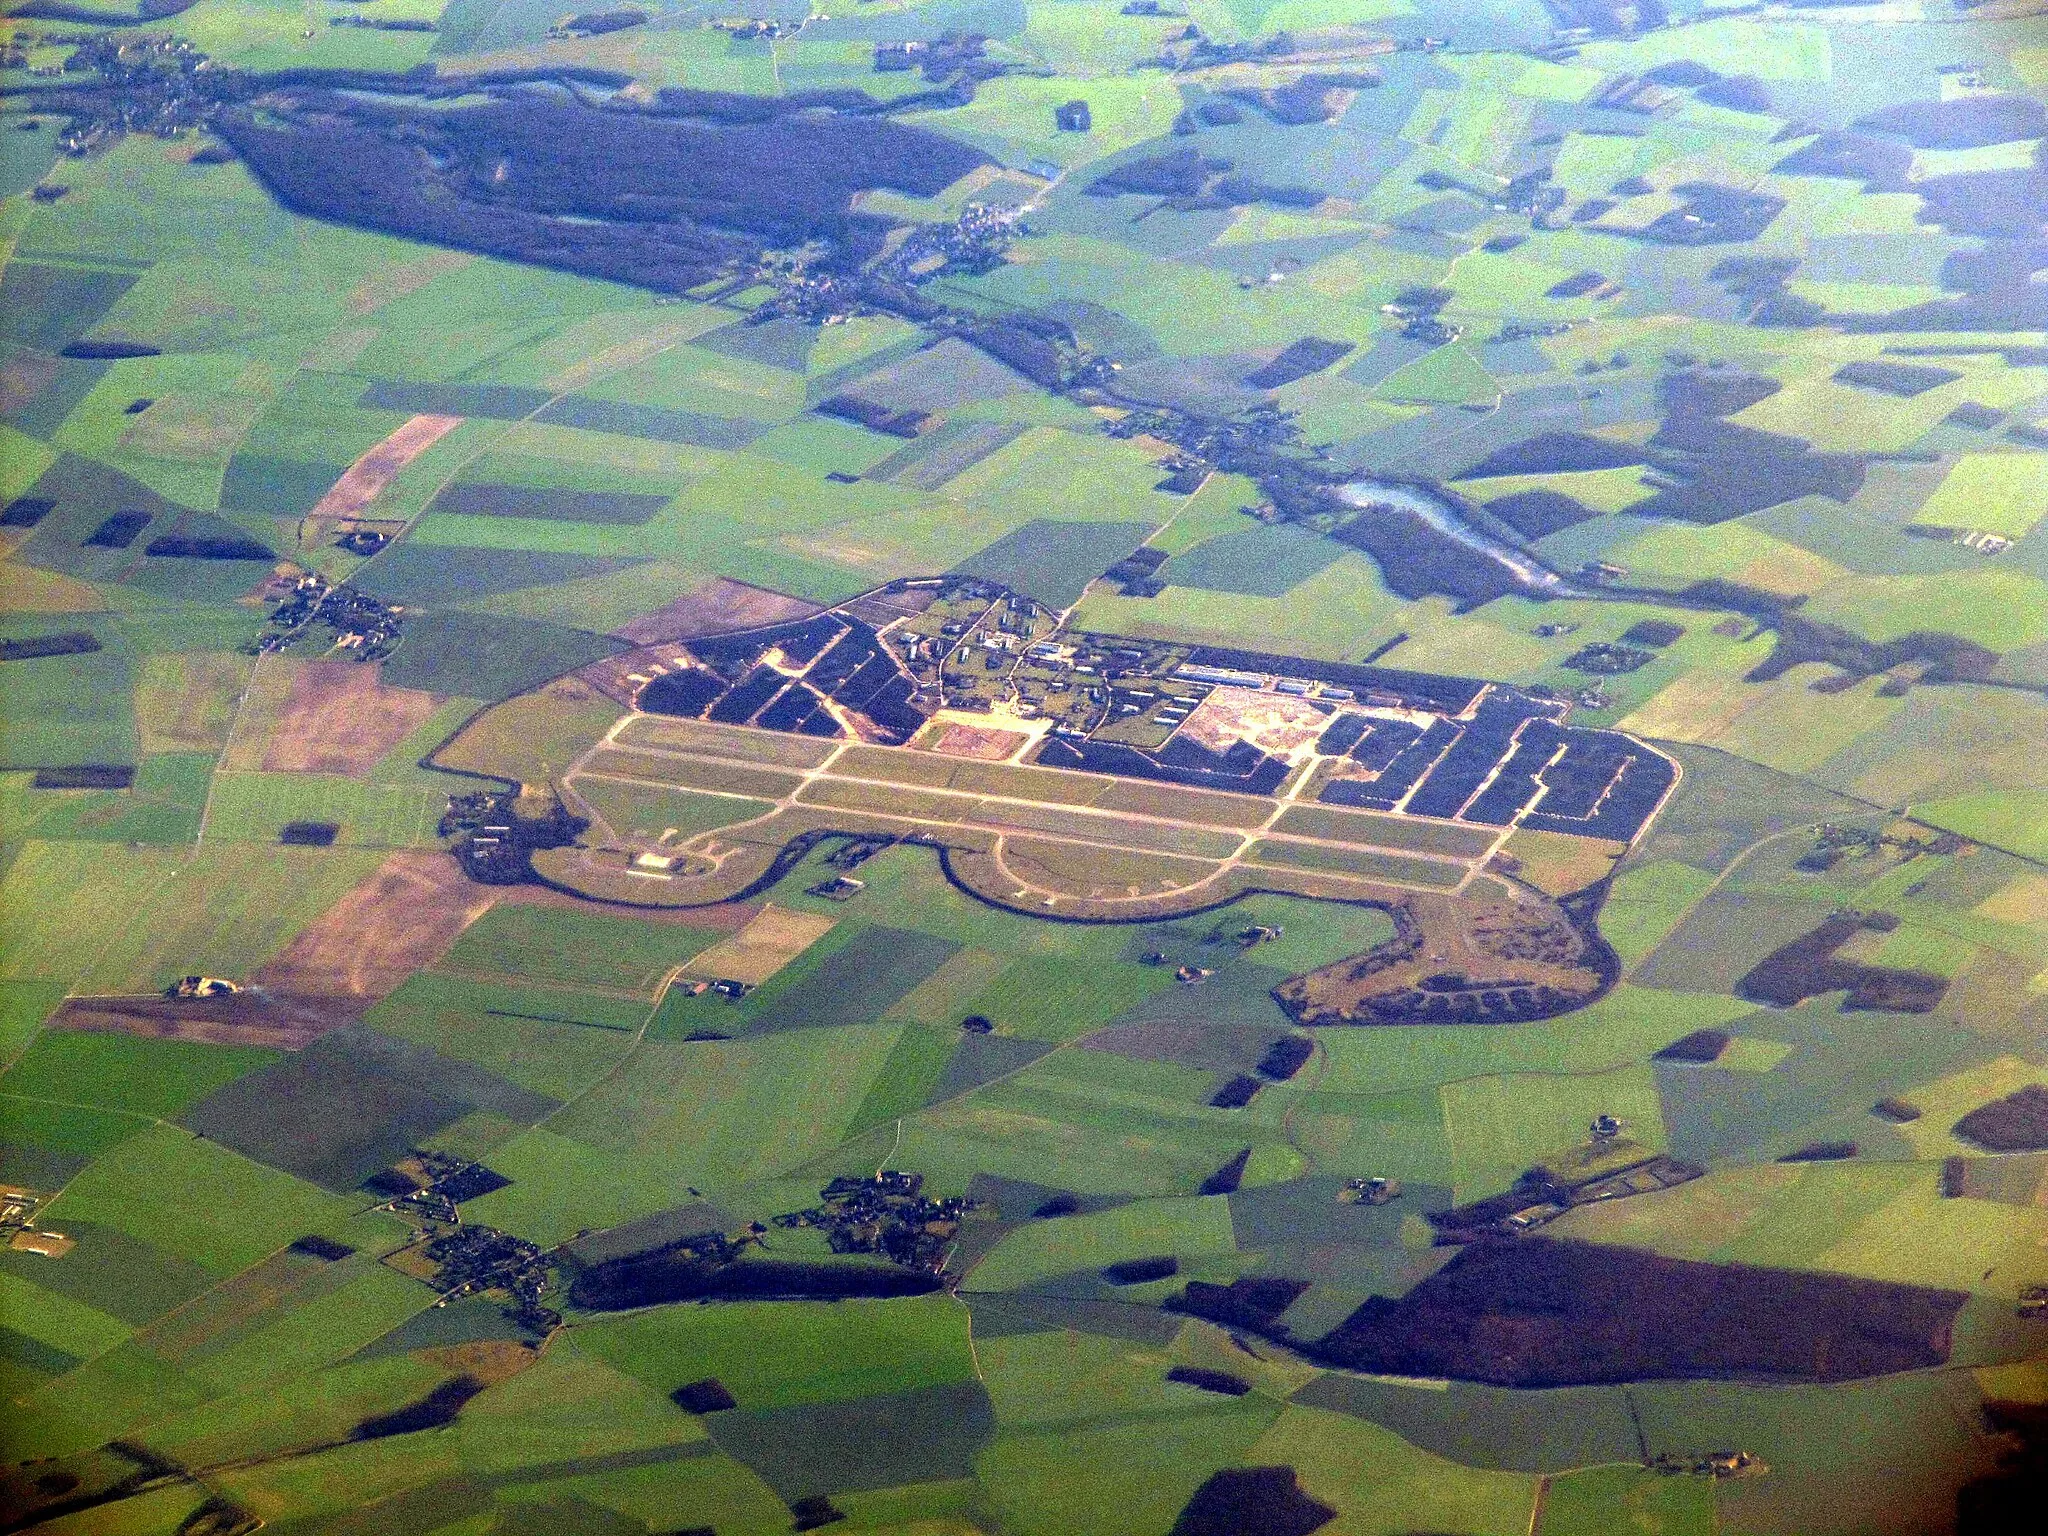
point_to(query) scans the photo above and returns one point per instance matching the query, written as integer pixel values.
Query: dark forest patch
(84, 776)
(1701, 1047)
(1252, 1501)
(1809, 967)
(1878, 163)
(1287, 1056)
(1945, 658)
(109, 351)
(1254, 1302)
(1141, 1271)
(1313, 98)
(681, 1273)
(1728, 470)
(1553, 453)
(437, 1409)
(1978, 418)
(1418, 559)
(1225, 1180)
(1969, 122)
(1578, 285)
(876, 418)
(1182, 173)
(2016, 1123)
(1298, 360)
(1221, 1382)
(308, 834)
(1656, 633)
(117, 532)
(198, 544)
(1738, 93)
(633, 195)
(1713, 392)
(71, 642)
(1532, 1312)
(1902, 379)
(1712, 215)
(26, 511)
(1535, 514)
(1236, 1093)
(707, 1396)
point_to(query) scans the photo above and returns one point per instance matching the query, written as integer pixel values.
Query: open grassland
(720, 775)
(659, 731)
(220, 909)
(548, 943)
(533, 738)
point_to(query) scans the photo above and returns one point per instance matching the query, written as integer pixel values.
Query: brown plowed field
(340, 718)
(363, 480)
(717, 608)
(277, 1021)
(404, 916)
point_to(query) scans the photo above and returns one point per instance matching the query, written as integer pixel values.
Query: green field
(1721, 316)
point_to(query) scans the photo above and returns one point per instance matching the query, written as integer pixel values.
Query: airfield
(1023, 768)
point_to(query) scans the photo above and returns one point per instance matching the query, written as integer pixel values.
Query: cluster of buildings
(888, 1214)
(362, 625)
(19, 1208)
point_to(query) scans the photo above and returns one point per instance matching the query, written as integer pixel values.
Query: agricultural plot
(1359, 685)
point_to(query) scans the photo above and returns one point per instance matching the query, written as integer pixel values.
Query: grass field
(143, 1188)
(577, 948)
(778, 1356)
(1078, 1244)
(219, 909)
(627, 454)
(1993, 492)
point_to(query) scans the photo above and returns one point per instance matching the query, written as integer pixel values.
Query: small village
(364, 629)
(888, 1214)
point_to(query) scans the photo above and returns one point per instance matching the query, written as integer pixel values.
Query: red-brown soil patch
(25, 376)
(340, 718)
(278, 1021)
(363, 480)
(404, 916)
(718, 607)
